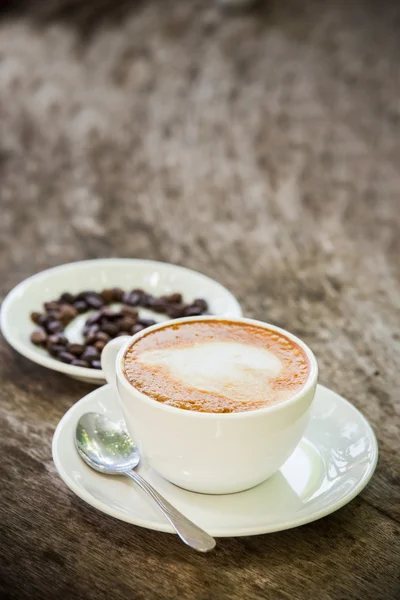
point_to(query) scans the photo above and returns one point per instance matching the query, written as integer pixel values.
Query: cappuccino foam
(216, 366)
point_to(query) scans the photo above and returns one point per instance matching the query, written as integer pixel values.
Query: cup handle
(109, 355)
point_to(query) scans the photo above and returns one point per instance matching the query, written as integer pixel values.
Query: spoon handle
(189, 533)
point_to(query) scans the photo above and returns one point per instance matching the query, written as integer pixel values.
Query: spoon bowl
(105, 445)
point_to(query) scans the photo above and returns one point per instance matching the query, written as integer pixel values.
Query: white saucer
(332, 464)
(154, 277)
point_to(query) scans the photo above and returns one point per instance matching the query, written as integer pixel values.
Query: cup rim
(311, 380)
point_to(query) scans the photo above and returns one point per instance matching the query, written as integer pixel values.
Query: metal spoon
(107, 447)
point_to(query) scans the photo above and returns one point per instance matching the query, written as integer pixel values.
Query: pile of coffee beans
(105, 324)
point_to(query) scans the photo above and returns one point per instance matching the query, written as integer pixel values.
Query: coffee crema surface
(216, 366)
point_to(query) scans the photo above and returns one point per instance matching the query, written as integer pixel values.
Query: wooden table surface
(262, 150)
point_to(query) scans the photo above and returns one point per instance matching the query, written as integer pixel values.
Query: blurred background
(259, 146)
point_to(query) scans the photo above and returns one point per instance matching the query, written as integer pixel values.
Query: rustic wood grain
(262, 150)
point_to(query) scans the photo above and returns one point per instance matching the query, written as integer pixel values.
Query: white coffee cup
(212, 453)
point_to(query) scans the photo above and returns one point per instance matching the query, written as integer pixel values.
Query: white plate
(154, 277)
(332, 464)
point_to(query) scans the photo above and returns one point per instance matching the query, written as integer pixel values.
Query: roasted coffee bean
(94, 329)
(175, 311)
(201, 303)
(174, 298)
(107, 296)
(53, 315)
(99, 345)
(129, 311)
(90, 353)
(125, 297)
(76, 349)
(38, 337)
(136, 328)
(52, 340)
(126, 324)
(95, 364)
(121, 315)
(111, 328)
(67, 298)
(67, 313)
(138, 291)
(94, 300)
(54, 327)
(102, 336)
(55, 349)
(146, 322)
(146, 300)
(78, 362)
(104, 322)
(90, 337)
(122, 334)
(93, 319)
(66, 357)
(56, 339)
(192, 311)
(82, 295)
(131, 298)
(81, 306)
(68, 310)
(159, 305)
(117, 294)
(35, 317)
(43, 320)
(51, 306)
